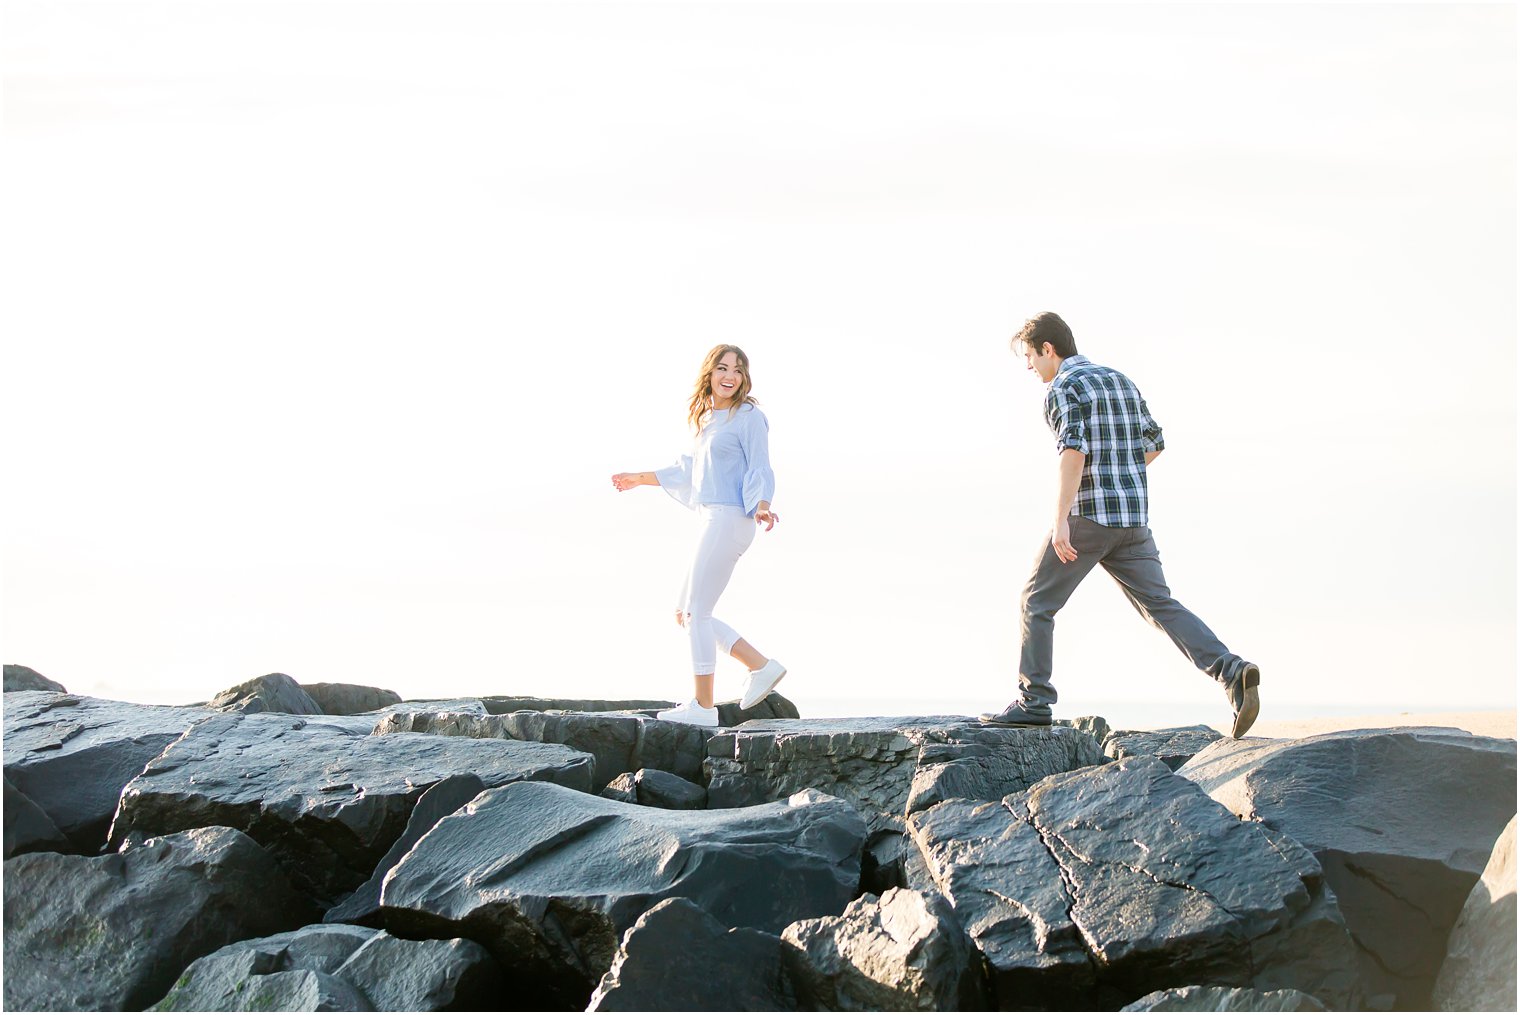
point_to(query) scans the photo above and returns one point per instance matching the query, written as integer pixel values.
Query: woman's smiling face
(725, 379)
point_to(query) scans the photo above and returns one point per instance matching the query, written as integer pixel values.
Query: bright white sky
(327, 323)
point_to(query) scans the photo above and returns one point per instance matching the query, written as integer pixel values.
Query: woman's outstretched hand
(765, 516)
(628, 480)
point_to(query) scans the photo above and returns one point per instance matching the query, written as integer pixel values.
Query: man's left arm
(1150, 434)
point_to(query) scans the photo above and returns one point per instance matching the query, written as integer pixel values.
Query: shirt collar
(1070, 361)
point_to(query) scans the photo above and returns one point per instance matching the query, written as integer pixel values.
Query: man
(1106, 438)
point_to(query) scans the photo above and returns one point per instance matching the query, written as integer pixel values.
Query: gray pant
(1129, 554)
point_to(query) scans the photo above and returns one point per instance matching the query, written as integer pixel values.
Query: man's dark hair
(1047, 327)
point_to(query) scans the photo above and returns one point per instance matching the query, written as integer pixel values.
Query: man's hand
(1060, 541)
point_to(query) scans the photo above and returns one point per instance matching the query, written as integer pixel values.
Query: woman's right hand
(627, 480)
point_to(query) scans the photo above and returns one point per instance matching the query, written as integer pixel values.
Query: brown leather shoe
(1245, 701)
(1014, 715)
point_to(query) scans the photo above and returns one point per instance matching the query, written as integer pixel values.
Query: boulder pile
(329, 847)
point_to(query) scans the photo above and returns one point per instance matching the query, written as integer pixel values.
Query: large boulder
(1402, 820)
(1479, 971)
(71, 755)
(349, 699)
(1175, 745)
(442, 799)
(873, 763)
(549, 879)
(678, 958)
(273, 692)
(112, 932)
(1196, 998)
(619, 742)
(327, 803)
(903, 951)
(333, 967)
(24, 678)
(654, 788)
(28, 829)
(1099, 885)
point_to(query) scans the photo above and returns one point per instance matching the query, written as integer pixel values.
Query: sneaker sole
(745, 703)
(1250, 703)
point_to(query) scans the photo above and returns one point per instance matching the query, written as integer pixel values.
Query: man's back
(1099, 412)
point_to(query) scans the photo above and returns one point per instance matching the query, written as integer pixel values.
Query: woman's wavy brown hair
(702, 394)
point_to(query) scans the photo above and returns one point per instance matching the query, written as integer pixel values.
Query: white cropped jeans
(725, 533)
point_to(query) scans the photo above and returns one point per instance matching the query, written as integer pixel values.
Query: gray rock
(1094, 726)
(665, 959)
(654, 788)
(273, 692)
(1197, 998)
(619, 742)
(988, 762)
(883, 863)
(442, 799)
(71, 755)
(773, 706)
(1402, 820)
(400, 975)
(901, 952)
(297, 990)
(873, 762)
(225, 979)
(1099, 885)
(349, 699)
(28, 829)
(24, 678)
(548, 879)
(1479, 971)
(112, 932)
(1174, 745)
(328, 804)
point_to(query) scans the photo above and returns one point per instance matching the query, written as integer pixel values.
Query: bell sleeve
(759, 480)
(676, 481)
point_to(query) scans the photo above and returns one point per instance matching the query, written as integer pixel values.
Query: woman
(728, 480)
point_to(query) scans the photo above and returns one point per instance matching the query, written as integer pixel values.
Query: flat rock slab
(880, 763)
(1198, 998)
(347, 969)
(1479, 972)
(665, 958)
(273, 692)
(1100, 885)
(113, 932)
(549, 879)
(327, 803)
(620, 742)
(71, 755)
(773, 706)
(903, 951)
(1175, 745)
(1402, 820)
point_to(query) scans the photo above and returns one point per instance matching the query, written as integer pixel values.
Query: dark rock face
(24, 678)
(1479, 971)
(273, 692)
(619, 742)
(1225, 999)
(71, 755)
(28, 829)
(880, 764)
(548, 878)
(988, 763)
(112, 932)
(1401, 820)
(901, 952)
(349, 699)
(774, 706)
(338, 968)
(677, 958)
(654, 788)
(1173, 746)
(327, 803)
(1100, 885)
(441, 800)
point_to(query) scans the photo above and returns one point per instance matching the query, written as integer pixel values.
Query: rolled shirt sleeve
(1150, 430)
(1067, 417)
(759, 481)
(676, 481)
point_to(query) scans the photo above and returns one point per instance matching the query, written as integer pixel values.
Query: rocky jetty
(336, 849)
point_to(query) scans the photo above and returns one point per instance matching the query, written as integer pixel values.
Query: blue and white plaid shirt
(1100, 413)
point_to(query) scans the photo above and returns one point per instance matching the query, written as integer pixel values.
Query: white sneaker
(690, 713)
(761, 682)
